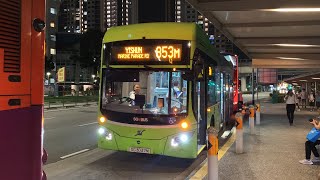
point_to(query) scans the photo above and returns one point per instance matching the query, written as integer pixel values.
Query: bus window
(118, 93)
(178, 93)
(211, 88)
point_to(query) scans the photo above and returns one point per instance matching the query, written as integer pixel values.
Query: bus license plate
(140, 150)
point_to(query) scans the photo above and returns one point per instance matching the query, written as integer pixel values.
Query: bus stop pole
(239, 136)
(258, 114)
(251, 119)
(212, 154)
(252, 85)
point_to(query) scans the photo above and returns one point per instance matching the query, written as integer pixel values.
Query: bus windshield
(143, 92)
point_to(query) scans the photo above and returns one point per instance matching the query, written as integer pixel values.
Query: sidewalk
(274, 151)
(67, 105)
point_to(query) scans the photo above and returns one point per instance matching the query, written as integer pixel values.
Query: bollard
(239, 137)
(212, 154)
(258, 114)
(251, 119)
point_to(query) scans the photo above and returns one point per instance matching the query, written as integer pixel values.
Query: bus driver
(132, 94)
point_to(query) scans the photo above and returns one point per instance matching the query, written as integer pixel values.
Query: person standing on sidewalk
(303, 95)
(311, 143)
(311, 100)
(291, 102)
(298, 100)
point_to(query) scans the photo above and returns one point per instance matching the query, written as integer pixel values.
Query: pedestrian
(303, 96)
(310, 145)
(291, 102)
(298, 99)
(311, 100)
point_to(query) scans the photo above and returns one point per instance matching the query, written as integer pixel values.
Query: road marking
(203, 171)
(69, 155)
(49, 118)
(87, 124)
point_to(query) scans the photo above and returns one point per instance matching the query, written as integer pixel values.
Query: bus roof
(164, 30)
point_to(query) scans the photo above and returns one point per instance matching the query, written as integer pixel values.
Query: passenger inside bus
(132, 94)
(176, 97)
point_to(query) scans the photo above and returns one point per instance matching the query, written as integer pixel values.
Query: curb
(68, 106)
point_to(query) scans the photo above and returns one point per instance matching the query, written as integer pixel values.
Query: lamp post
(93, 76)
(48, 74)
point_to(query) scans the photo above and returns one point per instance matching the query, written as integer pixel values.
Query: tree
(49, 64)
(90, 48)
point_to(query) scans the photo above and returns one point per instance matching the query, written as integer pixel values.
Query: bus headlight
(101, 131)
(105, 133)
(181, 139)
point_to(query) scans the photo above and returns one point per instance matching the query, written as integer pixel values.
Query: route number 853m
(164, 52)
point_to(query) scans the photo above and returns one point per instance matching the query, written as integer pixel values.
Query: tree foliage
(90, 48)
(49, 64)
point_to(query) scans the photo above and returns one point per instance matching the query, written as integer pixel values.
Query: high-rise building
(116, 13)
(52, 8)
(73, 16)
(186, 13)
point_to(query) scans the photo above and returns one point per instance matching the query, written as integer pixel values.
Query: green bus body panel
(158, 140)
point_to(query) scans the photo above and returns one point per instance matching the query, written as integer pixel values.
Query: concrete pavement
(274, 151)
(69, 130)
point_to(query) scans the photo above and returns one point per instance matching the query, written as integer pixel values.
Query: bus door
(200, 110)
(222, 100)
(199, 101)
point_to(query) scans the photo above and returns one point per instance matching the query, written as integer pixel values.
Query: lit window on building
(52, 24)
(53, 37)
(53, 51)
(53, 11)
(85, 13)
(178, 7)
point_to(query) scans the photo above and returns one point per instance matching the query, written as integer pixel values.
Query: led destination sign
(166, 53)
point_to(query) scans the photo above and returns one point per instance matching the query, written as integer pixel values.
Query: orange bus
(21, 89)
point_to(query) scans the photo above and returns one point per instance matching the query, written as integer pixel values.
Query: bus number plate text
(140, 150)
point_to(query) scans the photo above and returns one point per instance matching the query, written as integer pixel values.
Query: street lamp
(48, 74)
(93, 76)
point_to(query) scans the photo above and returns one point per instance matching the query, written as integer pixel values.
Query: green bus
(162, 85)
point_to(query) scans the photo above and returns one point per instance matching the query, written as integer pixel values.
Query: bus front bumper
(182, 145)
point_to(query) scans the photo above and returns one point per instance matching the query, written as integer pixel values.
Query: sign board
(159, 52)
(62, 74)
